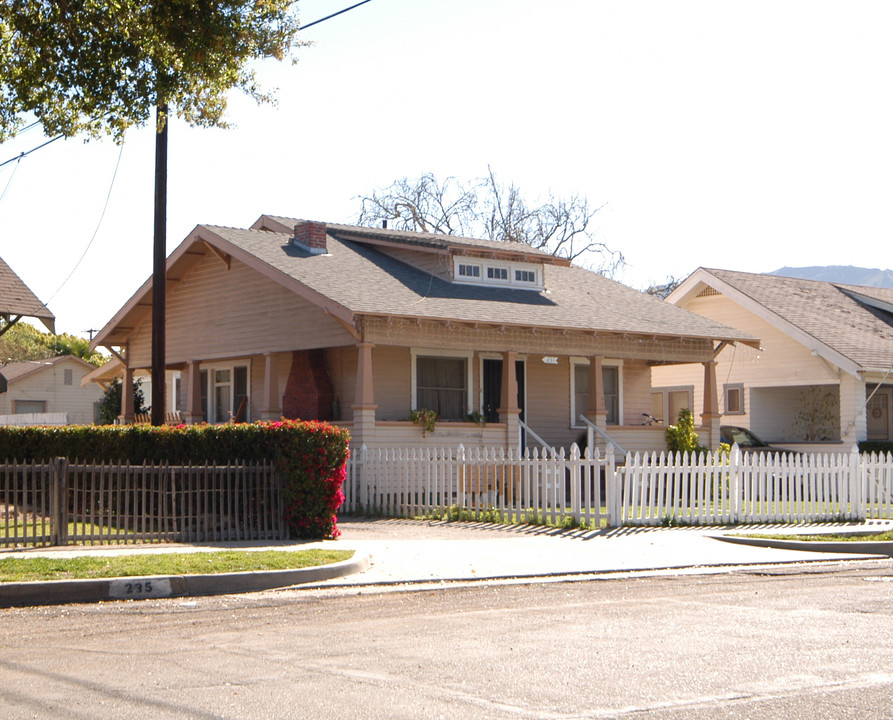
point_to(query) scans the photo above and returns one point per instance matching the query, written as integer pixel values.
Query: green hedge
(310, 456)
(876, 446)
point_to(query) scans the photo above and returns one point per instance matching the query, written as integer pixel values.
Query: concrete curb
(55, 592)
(853, 547)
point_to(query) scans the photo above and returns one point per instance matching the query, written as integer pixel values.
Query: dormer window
(500, 273)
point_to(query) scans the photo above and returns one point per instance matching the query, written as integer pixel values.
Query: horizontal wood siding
(217, 313)
(391, 380)
(548, 411)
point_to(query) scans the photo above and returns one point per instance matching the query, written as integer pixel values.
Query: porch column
(510, 413)
(127, 416)
(193, 412)
(710, 417)
(364, 403)
(270, 403)
(596, 411)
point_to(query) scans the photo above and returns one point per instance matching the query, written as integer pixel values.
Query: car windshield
(744, 438)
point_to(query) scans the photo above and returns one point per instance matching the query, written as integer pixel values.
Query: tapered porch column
(596, 412)
(271, 406)
(127, 416)
(193, 412)
(510, 413)
(710, 418)
(364, 403)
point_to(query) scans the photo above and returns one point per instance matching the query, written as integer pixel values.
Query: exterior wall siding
(215, 312)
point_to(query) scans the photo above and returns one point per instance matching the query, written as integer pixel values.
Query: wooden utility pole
(159, 256)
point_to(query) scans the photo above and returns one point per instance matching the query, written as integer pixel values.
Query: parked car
(746, 440)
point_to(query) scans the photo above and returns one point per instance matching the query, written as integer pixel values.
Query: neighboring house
(17, 301)
(49, 387)
(361, 326)
(824, 373)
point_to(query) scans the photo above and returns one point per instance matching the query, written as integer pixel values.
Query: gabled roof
(356, 278)
(17, 299)
(849, 325)
(15, 371)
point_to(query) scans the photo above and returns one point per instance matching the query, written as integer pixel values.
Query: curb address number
(136, 588)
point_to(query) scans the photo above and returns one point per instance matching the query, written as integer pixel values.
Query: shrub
(310, 456)
(876, 446)
(682, 437)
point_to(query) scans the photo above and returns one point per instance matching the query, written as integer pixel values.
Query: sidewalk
(393, 552)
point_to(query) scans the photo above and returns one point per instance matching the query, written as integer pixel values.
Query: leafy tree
(486, 208)
(110, 402)
(23, 342)
(101, 67)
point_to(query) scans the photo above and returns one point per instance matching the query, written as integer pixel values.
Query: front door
(492, 387)
(878, 410)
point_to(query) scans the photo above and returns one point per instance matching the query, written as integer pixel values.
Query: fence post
(59, 501)
(858, 480)
(612, 492)
(734, 482)
(576, 477)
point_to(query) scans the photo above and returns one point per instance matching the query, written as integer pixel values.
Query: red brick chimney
(312, 236)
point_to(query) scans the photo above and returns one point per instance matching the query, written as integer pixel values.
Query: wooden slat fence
(647, 489)
(60, 502)
(480, 482)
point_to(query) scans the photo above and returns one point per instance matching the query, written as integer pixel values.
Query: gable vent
(708, 292)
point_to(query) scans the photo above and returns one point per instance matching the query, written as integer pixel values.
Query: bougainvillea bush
(309, 455)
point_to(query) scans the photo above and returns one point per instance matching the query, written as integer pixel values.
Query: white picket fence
(643, 489)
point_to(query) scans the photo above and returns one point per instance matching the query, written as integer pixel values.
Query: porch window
(580, 392)
(442, 386)
(734, 399)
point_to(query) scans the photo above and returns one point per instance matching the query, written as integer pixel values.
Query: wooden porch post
(510, 413)
(597, 411)
(710, 417)
(270, 404)
(193, 412)
(127, 415)
(364, 401)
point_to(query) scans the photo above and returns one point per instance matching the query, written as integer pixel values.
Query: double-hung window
(441, 384)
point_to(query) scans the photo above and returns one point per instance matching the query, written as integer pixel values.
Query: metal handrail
(592, 427)
(526, 428)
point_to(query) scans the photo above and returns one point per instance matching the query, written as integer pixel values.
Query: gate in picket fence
(59, 502)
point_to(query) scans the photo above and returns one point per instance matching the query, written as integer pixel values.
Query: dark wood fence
(60, 502)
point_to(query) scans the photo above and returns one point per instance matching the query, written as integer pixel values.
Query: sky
(739, 135)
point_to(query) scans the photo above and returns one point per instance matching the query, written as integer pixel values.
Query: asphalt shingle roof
(17, 299)
(827, 311)
(365, 280)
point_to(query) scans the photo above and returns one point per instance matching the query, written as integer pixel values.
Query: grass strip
(198, 563)
(832, 537)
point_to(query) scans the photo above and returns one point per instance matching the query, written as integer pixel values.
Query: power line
(28, 152)
(335, 14)
(96, 231)
(9, 182)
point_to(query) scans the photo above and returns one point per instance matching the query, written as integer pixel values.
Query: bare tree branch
(485, 208)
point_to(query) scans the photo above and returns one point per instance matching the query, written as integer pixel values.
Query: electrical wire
(98, 225)
(28, 152)
(9, 182)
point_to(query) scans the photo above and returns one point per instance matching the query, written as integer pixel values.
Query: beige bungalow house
(823, 376)
(17, 301)
(362, 326)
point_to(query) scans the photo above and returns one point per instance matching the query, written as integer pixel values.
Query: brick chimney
(311, 236)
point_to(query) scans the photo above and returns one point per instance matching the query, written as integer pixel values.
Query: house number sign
(138, 588)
